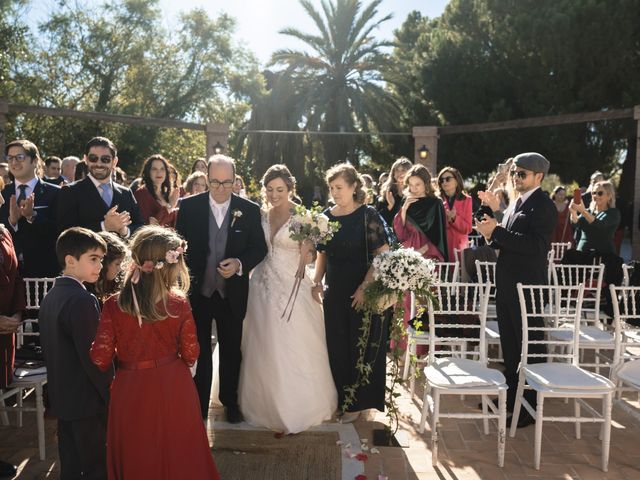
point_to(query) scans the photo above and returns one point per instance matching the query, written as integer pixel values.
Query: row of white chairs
(457, 364)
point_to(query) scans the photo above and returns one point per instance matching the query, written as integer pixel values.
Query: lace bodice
(120, 334)
(276, 273)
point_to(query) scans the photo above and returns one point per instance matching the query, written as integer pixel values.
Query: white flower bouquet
(311, 228)
(395, 272)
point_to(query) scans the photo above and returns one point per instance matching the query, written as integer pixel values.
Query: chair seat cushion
(588, 334)
(630, 372)
(563, 376)
(462, 372)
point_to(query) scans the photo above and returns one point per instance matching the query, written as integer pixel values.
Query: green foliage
(119, 58)
(494, 60)
(336, 80)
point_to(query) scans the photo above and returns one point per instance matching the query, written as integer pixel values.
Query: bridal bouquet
(311, 228)
(395, 272)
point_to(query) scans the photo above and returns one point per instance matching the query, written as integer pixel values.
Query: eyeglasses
(446, 179)
(521, 174)
(103, 159)
(215, 184)
(599, 193)
(21, 157)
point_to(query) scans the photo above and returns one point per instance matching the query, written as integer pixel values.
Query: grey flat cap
(532, 161)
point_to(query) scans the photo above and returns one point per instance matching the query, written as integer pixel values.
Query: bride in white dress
(285, 378)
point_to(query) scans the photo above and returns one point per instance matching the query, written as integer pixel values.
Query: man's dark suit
(36, 241)
(524, 241)
(54, 181)
(246, 242)
(78, 390)
(80, 205)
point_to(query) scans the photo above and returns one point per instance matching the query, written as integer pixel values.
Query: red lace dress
(155, 429)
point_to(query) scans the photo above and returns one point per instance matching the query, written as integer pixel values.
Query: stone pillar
(427, 136)
(4, 110)
(217, 133)
(635, 233)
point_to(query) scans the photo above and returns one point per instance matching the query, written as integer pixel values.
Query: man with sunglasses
(97, 202)
(524, 240)
(29, 211)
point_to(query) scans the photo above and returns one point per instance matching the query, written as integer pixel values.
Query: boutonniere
(236, 215)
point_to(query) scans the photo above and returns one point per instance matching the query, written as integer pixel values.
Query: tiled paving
(464, 452)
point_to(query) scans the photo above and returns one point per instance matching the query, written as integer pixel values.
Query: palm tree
(337, 81)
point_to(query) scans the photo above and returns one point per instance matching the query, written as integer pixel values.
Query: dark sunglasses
(521, 174)
(446, 179)
(103, 159)
(599, 193)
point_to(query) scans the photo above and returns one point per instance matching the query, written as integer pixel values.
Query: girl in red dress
(155, 429)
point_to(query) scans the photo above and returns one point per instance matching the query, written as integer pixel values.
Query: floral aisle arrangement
(311, 228)
(396, 272)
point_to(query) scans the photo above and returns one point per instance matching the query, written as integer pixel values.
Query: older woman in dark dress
(346, 260)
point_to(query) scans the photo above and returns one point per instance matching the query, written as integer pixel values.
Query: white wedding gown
(285, 378)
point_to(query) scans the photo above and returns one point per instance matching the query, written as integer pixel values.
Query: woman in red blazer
(457, 208)
(156, 198)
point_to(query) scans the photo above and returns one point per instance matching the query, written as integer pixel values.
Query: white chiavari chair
(27, 381)
(560, 376)
(592, 334)
(458, 361)
(486, 273)
(447, 272)
(626, 321)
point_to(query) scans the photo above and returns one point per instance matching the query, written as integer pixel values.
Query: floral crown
(149, 266)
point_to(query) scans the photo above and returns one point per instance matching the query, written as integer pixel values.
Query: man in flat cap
(524, 240)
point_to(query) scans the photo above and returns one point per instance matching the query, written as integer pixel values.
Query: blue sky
(260, 20)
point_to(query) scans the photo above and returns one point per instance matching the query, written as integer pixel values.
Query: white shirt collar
(97, 183)
(221, 206)
(31, 185)
(525, 196)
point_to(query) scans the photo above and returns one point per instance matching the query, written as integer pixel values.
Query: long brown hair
(420, 171)
(151, 244)
(116, 250)
(145, 174)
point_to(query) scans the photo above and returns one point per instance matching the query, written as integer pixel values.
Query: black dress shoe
(234, 415)
(495, 404)
(7, 470)
(524, 420)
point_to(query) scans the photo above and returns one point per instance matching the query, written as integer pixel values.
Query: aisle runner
(243, 452)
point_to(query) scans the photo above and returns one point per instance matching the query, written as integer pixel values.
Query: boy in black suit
(78, 391)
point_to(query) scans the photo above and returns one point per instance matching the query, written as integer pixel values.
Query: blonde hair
(402, 163)
(350, 175)
(608, 187)
(151, 244)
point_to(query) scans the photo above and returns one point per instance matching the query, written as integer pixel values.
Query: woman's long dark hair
(145, 174)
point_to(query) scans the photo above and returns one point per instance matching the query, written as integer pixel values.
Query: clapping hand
(486, 226)
(391, 201)
(117, 222)
(173, 197)
(451, 215)
(489, 199)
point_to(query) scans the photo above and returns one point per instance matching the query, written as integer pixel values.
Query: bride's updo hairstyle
(351, 176)
(280, 171)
